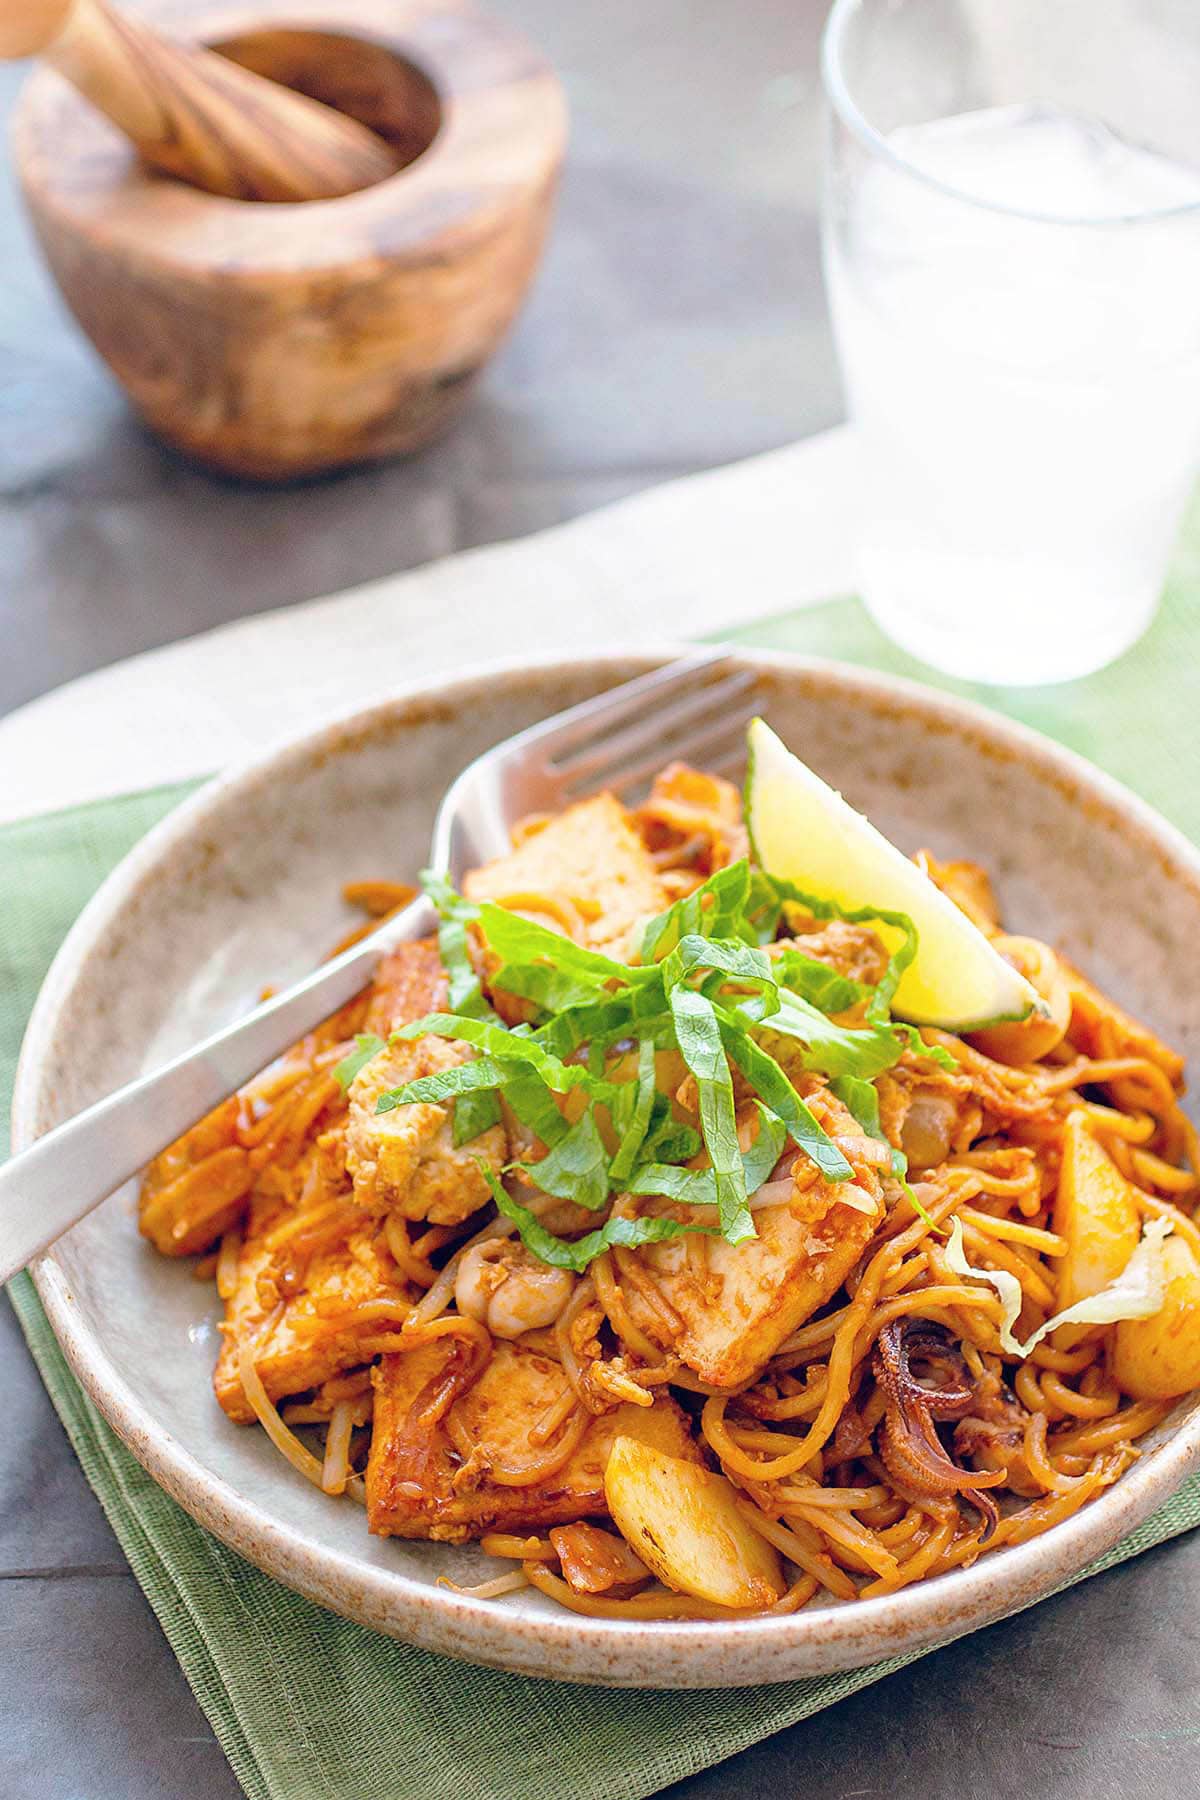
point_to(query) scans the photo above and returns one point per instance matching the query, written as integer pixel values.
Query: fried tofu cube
(198, 1187)
(589, 858)
(685, 804)
(420, 1484)
(409, 982)
(406, 1161)
(300, 1350)
(742, 1301)
(739, 1302)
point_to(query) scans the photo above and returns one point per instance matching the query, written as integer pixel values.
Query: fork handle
(55, 1183)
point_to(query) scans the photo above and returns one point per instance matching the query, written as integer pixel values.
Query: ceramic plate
(241, 886)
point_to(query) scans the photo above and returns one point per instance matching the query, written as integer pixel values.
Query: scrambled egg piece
(420, 1484)
(591, 864)
(405, 1161)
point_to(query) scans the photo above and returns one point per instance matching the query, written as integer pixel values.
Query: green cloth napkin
(309, 1707)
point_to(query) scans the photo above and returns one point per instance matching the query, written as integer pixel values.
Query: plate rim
(696, 1653)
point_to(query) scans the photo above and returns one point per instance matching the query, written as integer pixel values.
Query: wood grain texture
(204, 119)
(278, 341)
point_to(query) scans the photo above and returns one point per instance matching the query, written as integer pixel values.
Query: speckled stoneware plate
(241, 887)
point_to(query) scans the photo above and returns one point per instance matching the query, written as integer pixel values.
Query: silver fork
(695, 709)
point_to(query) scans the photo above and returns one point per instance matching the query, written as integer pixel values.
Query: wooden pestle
(194, 114)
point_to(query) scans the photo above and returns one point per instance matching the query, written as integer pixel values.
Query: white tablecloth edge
(689, 558)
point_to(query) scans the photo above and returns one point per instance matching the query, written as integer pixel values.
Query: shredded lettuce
(532, 1102)
(503, 1046)
(699, 1035)
(576, 1167)
(522, 942)
(669, 1140)
(454, 915)
(698, 1187)
(861, 1100)
(1137, 1293)
(577, 1253)
(772, 1086)
(711, 986)
(446, 1084)
(816, 982)
(788, 894)
(366, 1046)
(744, 964)
(474, 1113)
(632, 1113)
(828, 1048)
(717, 909)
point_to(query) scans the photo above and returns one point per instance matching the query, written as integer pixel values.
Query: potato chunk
(421, 1483)
(1159, 1358)
(684, 1524)
(1095, 1210)
(593, 863)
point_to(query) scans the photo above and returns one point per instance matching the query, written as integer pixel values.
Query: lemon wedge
(804, 832)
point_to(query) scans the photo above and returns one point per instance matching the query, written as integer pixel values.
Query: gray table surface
(678, 324)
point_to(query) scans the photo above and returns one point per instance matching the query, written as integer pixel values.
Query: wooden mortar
(275, 340)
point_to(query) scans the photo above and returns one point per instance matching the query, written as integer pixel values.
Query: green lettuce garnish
(475, 1113)
(710, 985)
(1137, 1293)
(454, 915)
(577, 1166)
(366, 1046)
(632, 1112)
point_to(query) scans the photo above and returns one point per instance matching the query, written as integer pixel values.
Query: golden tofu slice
(434, 1480)
(198, 1187)
(592, 869)
(739, 1302)
(409, 982)
(406, 1161)
(348, 1266)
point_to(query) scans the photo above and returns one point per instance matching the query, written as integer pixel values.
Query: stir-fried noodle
(889, 1434)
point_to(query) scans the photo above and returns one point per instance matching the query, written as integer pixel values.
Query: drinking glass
(1012, 250)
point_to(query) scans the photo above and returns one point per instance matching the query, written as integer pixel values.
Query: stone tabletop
(678, 324)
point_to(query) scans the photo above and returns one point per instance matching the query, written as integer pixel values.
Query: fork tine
(656, 726)
(574, 729)
(732, 762)
(709, 745)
